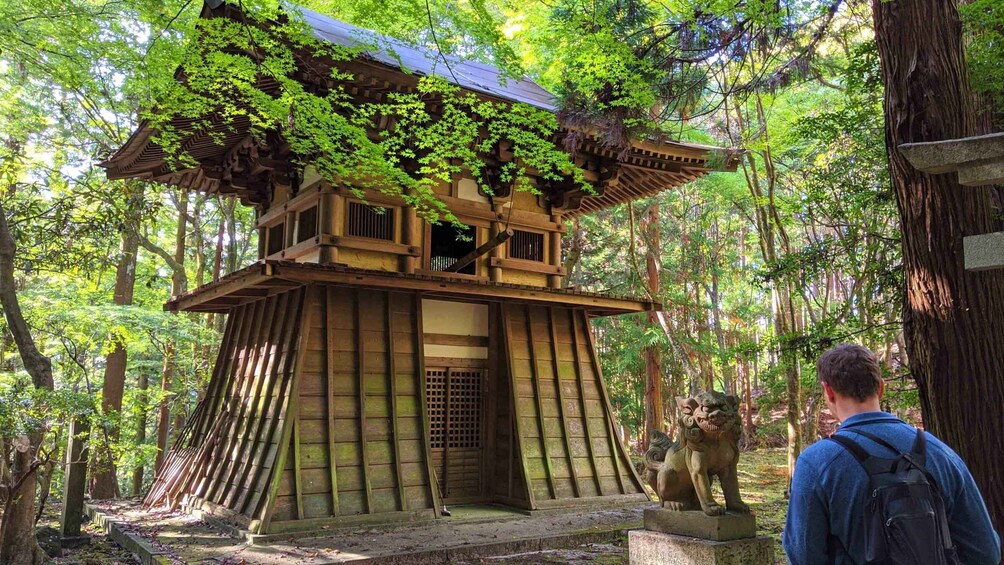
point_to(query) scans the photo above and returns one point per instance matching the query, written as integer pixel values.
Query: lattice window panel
(465, 409)
(435, 397)
(368, 221)
(454, 407)
(526, 245)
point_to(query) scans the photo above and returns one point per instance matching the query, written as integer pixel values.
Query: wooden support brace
(561, 404)
(471, 257)
(540, 408)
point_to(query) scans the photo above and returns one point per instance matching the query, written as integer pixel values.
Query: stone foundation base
(656, 548)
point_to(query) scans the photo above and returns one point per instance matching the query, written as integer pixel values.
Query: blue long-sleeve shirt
(830, 488)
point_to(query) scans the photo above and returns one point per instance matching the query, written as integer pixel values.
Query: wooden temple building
(363, 376)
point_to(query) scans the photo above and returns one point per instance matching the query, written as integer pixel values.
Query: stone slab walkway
(470, 535)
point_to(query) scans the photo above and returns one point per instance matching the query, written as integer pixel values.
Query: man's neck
(844, 408)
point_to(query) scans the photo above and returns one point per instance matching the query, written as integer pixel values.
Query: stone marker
(73, 489)
(690, 527)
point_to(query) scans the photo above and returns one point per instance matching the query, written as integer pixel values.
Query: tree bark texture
(953, 319)
(105, 483)
(17, 532)
(654, 407)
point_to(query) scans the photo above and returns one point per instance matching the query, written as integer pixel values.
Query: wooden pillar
(289, 237)
(495, 273)
(409, 237)
(76, 474)
(554, 239)
(326, 221)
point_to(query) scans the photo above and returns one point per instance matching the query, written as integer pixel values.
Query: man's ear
(829, 393)
(881, 390)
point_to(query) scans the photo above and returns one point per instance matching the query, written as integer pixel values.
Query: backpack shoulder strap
(872, 465)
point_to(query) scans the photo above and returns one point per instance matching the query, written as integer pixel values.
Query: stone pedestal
(657, 548)
(694, 538)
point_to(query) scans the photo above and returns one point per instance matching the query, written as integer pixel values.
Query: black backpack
(905, 517)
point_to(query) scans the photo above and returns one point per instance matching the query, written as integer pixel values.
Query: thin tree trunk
(178, 284)
(576, 242)
(655, 418)
(104, 479)
(953, 319)
(18, 545)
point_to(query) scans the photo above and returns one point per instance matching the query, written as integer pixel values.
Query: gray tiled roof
(399, 55)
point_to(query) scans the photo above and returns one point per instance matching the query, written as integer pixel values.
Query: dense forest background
(758, 271)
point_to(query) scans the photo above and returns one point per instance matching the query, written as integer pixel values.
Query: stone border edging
(139, 547)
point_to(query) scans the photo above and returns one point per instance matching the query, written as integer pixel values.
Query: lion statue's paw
(740, 508)
(714, 509)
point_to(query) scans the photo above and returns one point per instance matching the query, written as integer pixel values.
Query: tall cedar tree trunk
(178, 284)
(104, 482)
(953, 319)
(18, 545)
(654, 407)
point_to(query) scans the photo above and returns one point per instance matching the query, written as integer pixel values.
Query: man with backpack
(879, 490)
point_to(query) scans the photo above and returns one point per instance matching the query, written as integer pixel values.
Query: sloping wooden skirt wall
(564, 424)
(325, 384)
(316, 414)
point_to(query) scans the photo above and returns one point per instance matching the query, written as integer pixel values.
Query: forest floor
(762, 480)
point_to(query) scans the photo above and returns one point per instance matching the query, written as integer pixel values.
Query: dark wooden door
(456, 436)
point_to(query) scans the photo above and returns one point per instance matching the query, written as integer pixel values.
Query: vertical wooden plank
(252, 413)
(514, 407)
(297, 474)
(224, 357)
(361, 368)
(281, 332)
(288, 417)
(582, 401)
(272, 407)
(329, 358)
(540, 409)
(210, 482)
(489, 415)
(393, 399)
(561, 403)
(611, 427)
(437, 503)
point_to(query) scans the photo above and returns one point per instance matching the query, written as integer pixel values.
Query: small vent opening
(370, 221)
(276, 235)
(526, 245)
(306, 228)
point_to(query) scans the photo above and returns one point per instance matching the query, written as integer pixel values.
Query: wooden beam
(561, 403)
(288, 416)
(471, 257)
(528, 266)
(422, 391)
(540, 409)
(514, 407)
(582, 401)
(329, 359)
(361, 368)
(394, 424)
(609, 410)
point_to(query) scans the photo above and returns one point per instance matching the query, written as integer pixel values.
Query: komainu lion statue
(680, 472)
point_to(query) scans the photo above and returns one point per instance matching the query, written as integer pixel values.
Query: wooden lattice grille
(435, 395)
(465, 409)
(368, 221)
(526, 245)
(454, 407)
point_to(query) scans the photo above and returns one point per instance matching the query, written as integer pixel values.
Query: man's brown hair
(851, 370)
